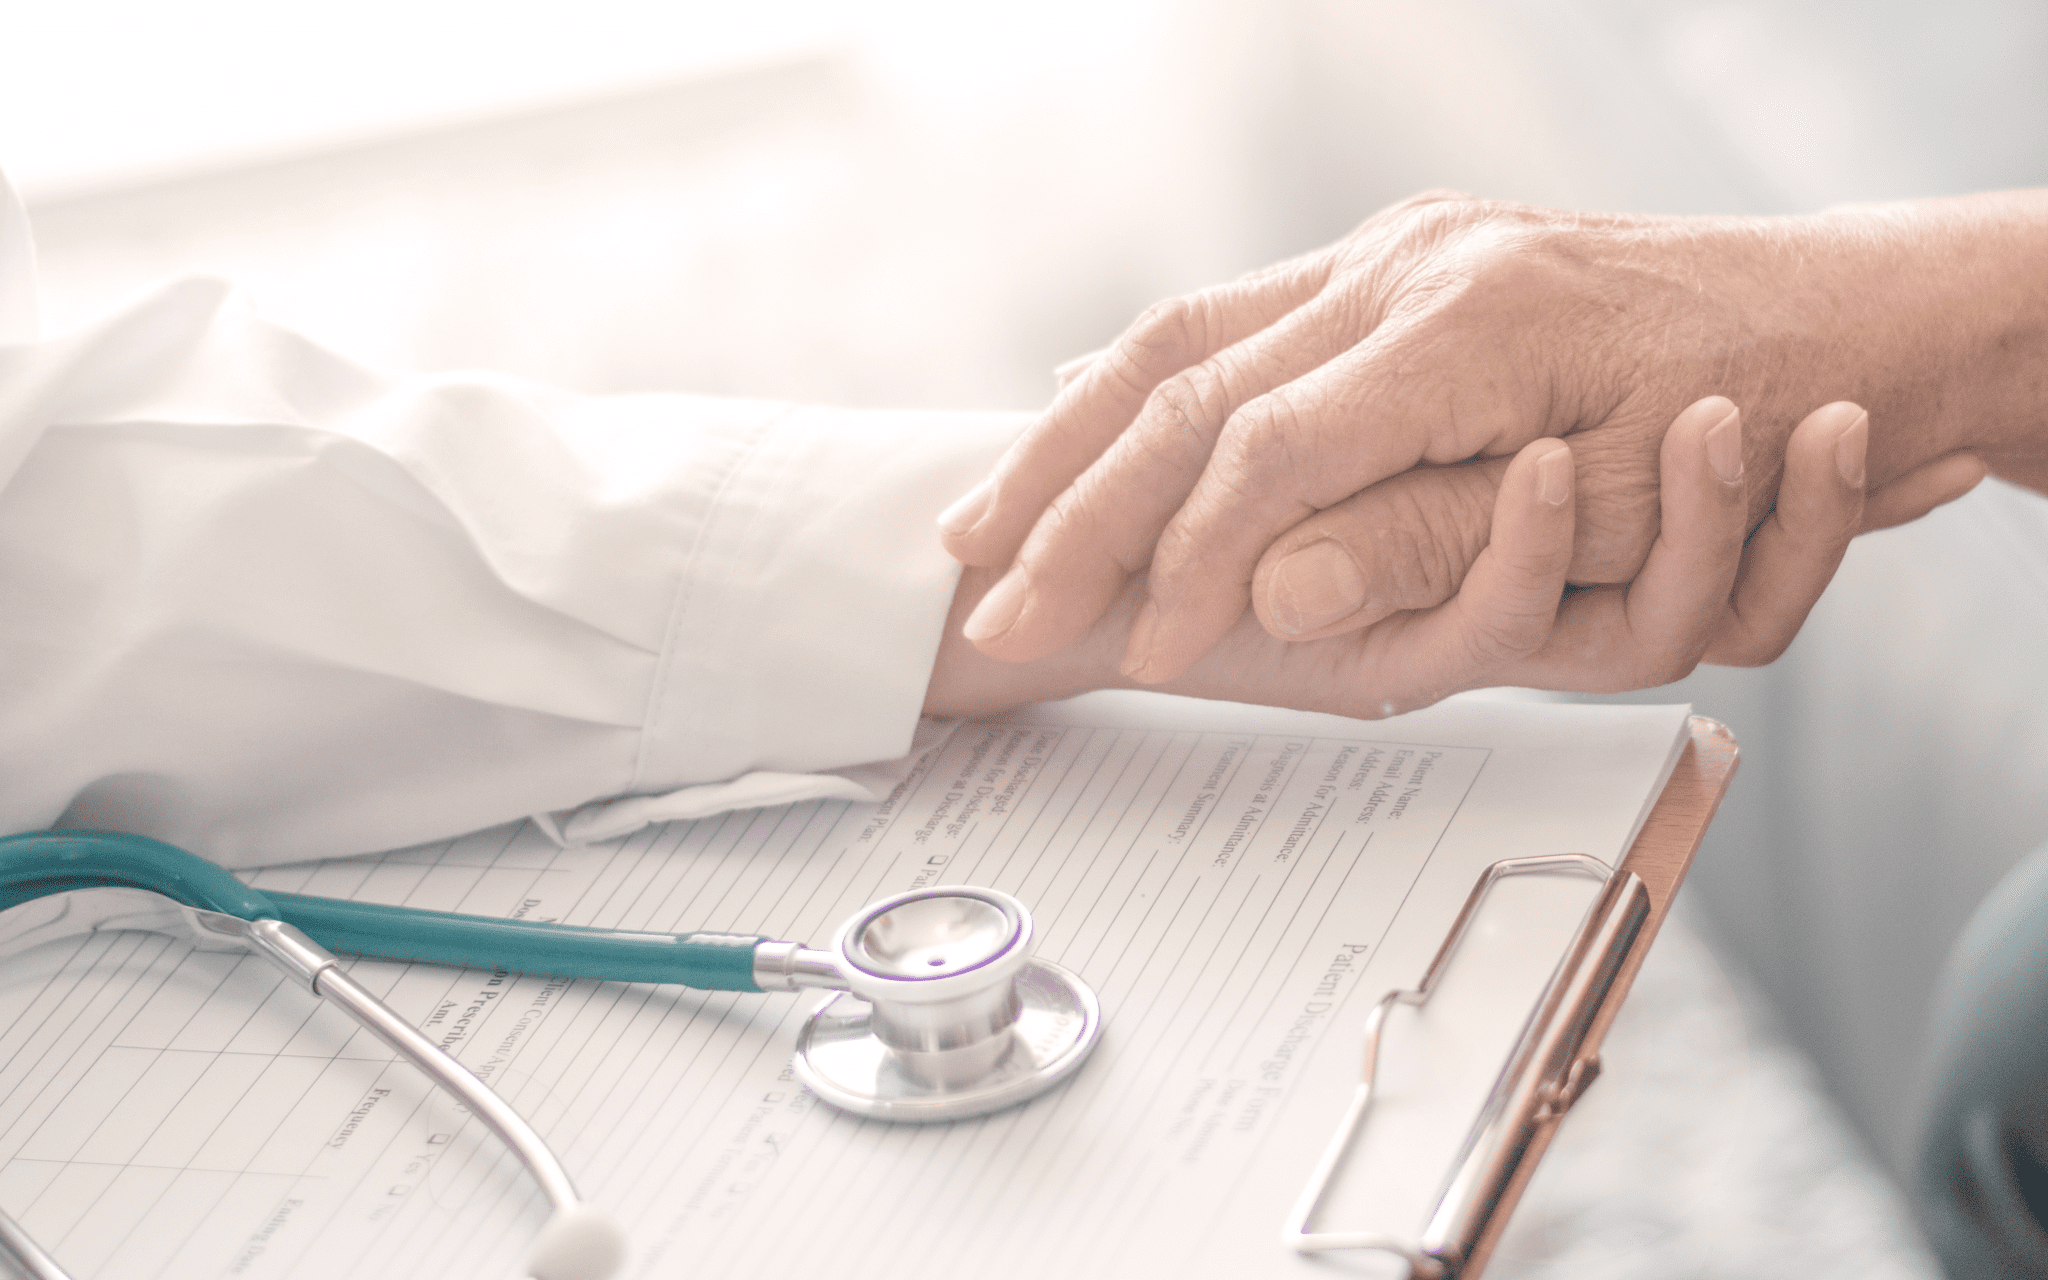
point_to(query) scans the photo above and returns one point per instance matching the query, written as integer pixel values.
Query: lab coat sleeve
(270, 606)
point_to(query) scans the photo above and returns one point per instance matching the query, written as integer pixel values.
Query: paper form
(1238, 885)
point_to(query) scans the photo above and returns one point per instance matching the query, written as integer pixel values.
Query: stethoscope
(940, 1010)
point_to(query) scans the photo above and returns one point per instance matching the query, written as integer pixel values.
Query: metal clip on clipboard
(1544, 1074)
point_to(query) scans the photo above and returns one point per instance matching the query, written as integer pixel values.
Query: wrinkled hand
(1259, 443)
(1703, 592)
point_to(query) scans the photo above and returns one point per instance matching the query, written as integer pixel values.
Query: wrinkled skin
(1704, 590)
(1372, 391)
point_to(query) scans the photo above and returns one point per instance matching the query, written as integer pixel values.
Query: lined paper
(1238, 886)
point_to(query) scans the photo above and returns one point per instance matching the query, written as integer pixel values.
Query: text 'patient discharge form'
(1238, 886)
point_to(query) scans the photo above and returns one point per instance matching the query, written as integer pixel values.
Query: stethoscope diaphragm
(946, 1013)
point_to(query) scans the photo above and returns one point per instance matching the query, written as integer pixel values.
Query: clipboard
(725, 1159)
(1557, 1055)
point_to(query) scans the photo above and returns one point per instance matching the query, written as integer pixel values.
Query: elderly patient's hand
(1701, 593)
(1448, 332)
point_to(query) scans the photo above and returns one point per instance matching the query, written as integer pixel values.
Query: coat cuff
(803, 631)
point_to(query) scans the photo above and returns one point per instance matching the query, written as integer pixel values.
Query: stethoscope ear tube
(580, 1242)
(22, 1252)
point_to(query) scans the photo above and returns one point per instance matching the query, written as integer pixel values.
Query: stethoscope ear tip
(580, 1242)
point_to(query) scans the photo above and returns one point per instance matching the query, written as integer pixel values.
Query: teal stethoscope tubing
(42, 863)
(301, 934)
(977, 1001)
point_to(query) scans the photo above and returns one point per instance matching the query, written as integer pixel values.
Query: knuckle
(1816, 521)
(1742, 644)
(1492, 269)
(1444, 211)
(1667, 665)
(1166, 338)
(1526, 566)
(1679, 668)
(1440, 195)
(1161, 461)
(1432, 532)
(1180, 564)
(1493, 640)
(1193, 405)
(1413, 229)
(1761, 654)
(1169, 554)
(1065, 522)
(1479, 237)
(1262, 441)
(1430, 571)
(1616, 526)
(1088, 531)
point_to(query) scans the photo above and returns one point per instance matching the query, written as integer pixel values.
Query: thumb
(1404, 543)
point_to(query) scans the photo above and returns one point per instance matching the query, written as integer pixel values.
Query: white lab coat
(269, 605)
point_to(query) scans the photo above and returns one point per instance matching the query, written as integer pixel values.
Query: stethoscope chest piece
(946, 1015)
(939, 1012)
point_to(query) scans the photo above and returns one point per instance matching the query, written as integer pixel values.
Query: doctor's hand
(1704, 593)
(1450, 332)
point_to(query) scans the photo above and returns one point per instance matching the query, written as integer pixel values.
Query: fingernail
(1851, 447)
(1724, 448)
(1138, 653)
(966, 513)
(1314, 587)
(999, 609)
(1554, 477)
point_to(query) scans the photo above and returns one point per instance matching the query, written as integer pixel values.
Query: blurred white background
(916, 204)
(888, 204)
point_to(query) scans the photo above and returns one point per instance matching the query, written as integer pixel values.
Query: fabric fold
(861, 784)
(269, 605)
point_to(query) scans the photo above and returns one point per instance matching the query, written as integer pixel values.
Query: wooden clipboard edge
(1661, 856)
